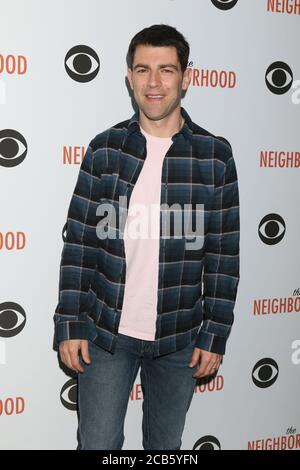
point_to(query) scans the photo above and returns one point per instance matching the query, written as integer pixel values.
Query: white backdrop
(254, 400)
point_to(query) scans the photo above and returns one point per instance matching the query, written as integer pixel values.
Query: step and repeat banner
(62, 81)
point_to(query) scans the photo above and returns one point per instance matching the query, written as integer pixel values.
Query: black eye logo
(265, 373)
(207, 443)
(82, 63)
(271, 229)
(279, 78)
(224, 4)
(13, 148)
(64, 232)
(12, 319)
(68, 395)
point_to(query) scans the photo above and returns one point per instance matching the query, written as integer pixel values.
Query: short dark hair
(160, 35)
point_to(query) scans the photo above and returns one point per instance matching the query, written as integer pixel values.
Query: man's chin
(153, 115)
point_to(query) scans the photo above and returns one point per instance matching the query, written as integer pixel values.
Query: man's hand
(209, 364)
(69, 353)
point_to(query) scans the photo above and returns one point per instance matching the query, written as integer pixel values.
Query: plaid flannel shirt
(196, 288)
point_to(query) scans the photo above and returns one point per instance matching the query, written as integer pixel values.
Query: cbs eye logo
(224, 4)
(68, 395)
(13, 148)
(279, 78)
(271, 229)
(207, 443)
(82, 63)
(12, 319)
(265, 373)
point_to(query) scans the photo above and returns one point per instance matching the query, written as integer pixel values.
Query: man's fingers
(62, 357)
(69, 355)
(68, 360)
(202, 369)
(208, 366)
(85, 352)
(195, 357)
(213, 369)
(74, 358)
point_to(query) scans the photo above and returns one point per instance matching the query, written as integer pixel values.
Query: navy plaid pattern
(196, 288)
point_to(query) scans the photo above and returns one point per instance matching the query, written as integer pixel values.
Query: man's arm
(221, 265)
(79, 255)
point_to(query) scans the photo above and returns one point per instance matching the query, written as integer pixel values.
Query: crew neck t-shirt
(141, 243)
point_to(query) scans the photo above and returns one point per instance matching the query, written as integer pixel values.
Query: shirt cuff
(210, 342)
(70, 329)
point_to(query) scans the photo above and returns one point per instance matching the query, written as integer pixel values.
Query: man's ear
(187, 76)
(129, 76)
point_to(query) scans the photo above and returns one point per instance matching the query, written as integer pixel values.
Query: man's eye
(164, 70)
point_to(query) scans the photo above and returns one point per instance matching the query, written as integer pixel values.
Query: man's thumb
(195, 358)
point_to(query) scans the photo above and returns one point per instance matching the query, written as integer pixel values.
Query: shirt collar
(186, 130)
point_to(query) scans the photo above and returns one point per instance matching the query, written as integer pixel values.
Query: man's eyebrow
(145, 66)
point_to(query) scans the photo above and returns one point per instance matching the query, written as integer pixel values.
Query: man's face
(157, 80)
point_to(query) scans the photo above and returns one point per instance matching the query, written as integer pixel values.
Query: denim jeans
(105, 385)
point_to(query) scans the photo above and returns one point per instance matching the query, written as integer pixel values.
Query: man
(127, 302)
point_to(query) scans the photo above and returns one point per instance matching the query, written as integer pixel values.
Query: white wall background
(51, 111)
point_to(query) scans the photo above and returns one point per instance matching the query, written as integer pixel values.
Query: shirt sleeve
(79, 255)
(221, 264)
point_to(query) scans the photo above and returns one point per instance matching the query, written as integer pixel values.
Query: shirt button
(166, 185)
(128, 184)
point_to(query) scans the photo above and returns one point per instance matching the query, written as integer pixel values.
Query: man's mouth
(154, 97)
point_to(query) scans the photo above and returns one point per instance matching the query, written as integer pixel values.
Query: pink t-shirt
(141, 242)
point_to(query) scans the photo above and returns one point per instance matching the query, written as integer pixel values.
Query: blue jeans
(104, 389)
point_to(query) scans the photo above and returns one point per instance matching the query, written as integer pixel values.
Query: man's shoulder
(221, 147)
(110, 136)
(218, 139)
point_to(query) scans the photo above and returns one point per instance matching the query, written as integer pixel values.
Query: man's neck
(161, 128)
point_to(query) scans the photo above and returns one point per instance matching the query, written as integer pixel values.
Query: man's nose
(154, 78)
